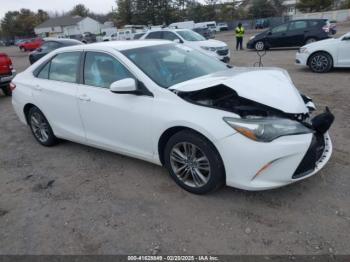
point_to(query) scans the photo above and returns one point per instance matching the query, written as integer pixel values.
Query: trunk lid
(268, 86)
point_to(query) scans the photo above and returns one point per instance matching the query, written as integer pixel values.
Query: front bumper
(257, 166)
(251, 44)
(301, 58)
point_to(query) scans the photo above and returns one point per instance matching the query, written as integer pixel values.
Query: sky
(96, 6)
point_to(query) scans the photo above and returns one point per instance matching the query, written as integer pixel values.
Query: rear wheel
(194, 163)
(321, 62)
(41, 128)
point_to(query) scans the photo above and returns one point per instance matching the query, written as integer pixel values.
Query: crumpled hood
(268, 86)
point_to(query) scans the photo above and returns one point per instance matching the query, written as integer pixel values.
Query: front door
(344, 52)
(118, 122)
(277, 36)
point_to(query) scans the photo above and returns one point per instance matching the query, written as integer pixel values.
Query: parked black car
(292, 33)
(50, 45)
(206, 32)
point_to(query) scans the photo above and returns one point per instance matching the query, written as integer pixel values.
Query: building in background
(68, 26)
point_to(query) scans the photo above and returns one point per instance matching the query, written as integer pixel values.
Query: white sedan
(168, 104)
(189, 38)
(322, 56)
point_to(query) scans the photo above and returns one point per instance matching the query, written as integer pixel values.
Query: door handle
(84, 98)
(38, 88)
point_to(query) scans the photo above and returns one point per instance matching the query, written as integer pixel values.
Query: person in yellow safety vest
(239, 36)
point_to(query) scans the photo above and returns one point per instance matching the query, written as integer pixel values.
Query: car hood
(268, 86)
(325, 42)
(209, 43)
(260, 35)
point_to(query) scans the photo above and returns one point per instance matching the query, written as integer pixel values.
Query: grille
(222, 52)
(313, 155)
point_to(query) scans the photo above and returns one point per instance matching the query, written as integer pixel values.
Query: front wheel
(194, 163)
(321, 62)
(259, 46)
(41, 128)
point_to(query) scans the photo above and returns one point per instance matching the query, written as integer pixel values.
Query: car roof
(117, 45)
(63, 40)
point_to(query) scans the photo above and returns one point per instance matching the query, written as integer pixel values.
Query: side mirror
(177, 41)
(346, 38)
(39, 49)
(269, 33)
(125, 86)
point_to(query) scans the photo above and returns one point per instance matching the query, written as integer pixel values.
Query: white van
(210, 25)
(182, 25)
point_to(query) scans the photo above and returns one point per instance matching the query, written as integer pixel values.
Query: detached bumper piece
(320, 145)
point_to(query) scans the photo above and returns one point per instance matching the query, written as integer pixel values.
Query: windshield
(171, 64)
(189, 35)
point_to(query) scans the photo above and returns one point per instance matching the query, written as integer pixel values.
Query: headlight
(303, 50)
(252, 37)
(267, 129)
(212, 49)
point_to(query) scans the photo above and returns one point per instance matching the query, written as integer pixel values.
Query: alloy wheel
(190, 164)
(259, 46)
(319, 63)
(40, 127)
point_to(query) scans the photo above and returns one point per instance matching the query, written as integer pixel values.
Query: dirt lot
(73, 199)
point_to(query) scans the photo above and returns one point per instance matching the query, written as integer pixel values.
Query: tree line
(158, 12)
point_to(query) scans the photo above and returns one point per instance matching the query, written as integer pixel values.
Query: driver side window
(101, 70)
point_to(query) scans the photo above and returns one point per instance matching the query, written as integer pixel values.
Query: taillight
(12, 86)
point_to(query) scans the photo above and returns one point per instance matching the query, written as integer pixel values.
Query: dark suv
(292, 33)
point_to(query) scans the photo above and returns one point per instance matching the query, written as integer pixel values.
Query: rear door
(55, 93)
(296, 33)
(277, 36)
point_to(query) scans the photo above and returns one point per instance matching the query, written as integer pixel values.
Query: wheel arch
(26, 110)
(168, 133)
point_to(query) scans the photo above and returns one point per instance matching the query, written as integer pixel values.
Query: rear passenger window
(64, 67)
(154, 35)
(313, 23)
(101, 70)
(297, 25)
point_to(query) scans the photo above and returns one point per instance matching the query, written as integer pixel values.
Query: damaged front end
(263, 123)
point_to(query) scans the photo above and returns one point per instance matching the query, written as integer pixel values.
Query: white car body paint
(132, 125)
(338, 48)
(197, 45)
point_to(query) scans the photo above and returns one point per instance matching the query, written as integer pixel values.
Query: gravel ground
(73, 199)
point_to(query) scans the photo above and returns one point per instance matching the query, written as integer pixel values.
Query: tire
(320, 62)
(310, 40)
(7, 91)
(194, 163)
(41, 128)
(260, 46)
